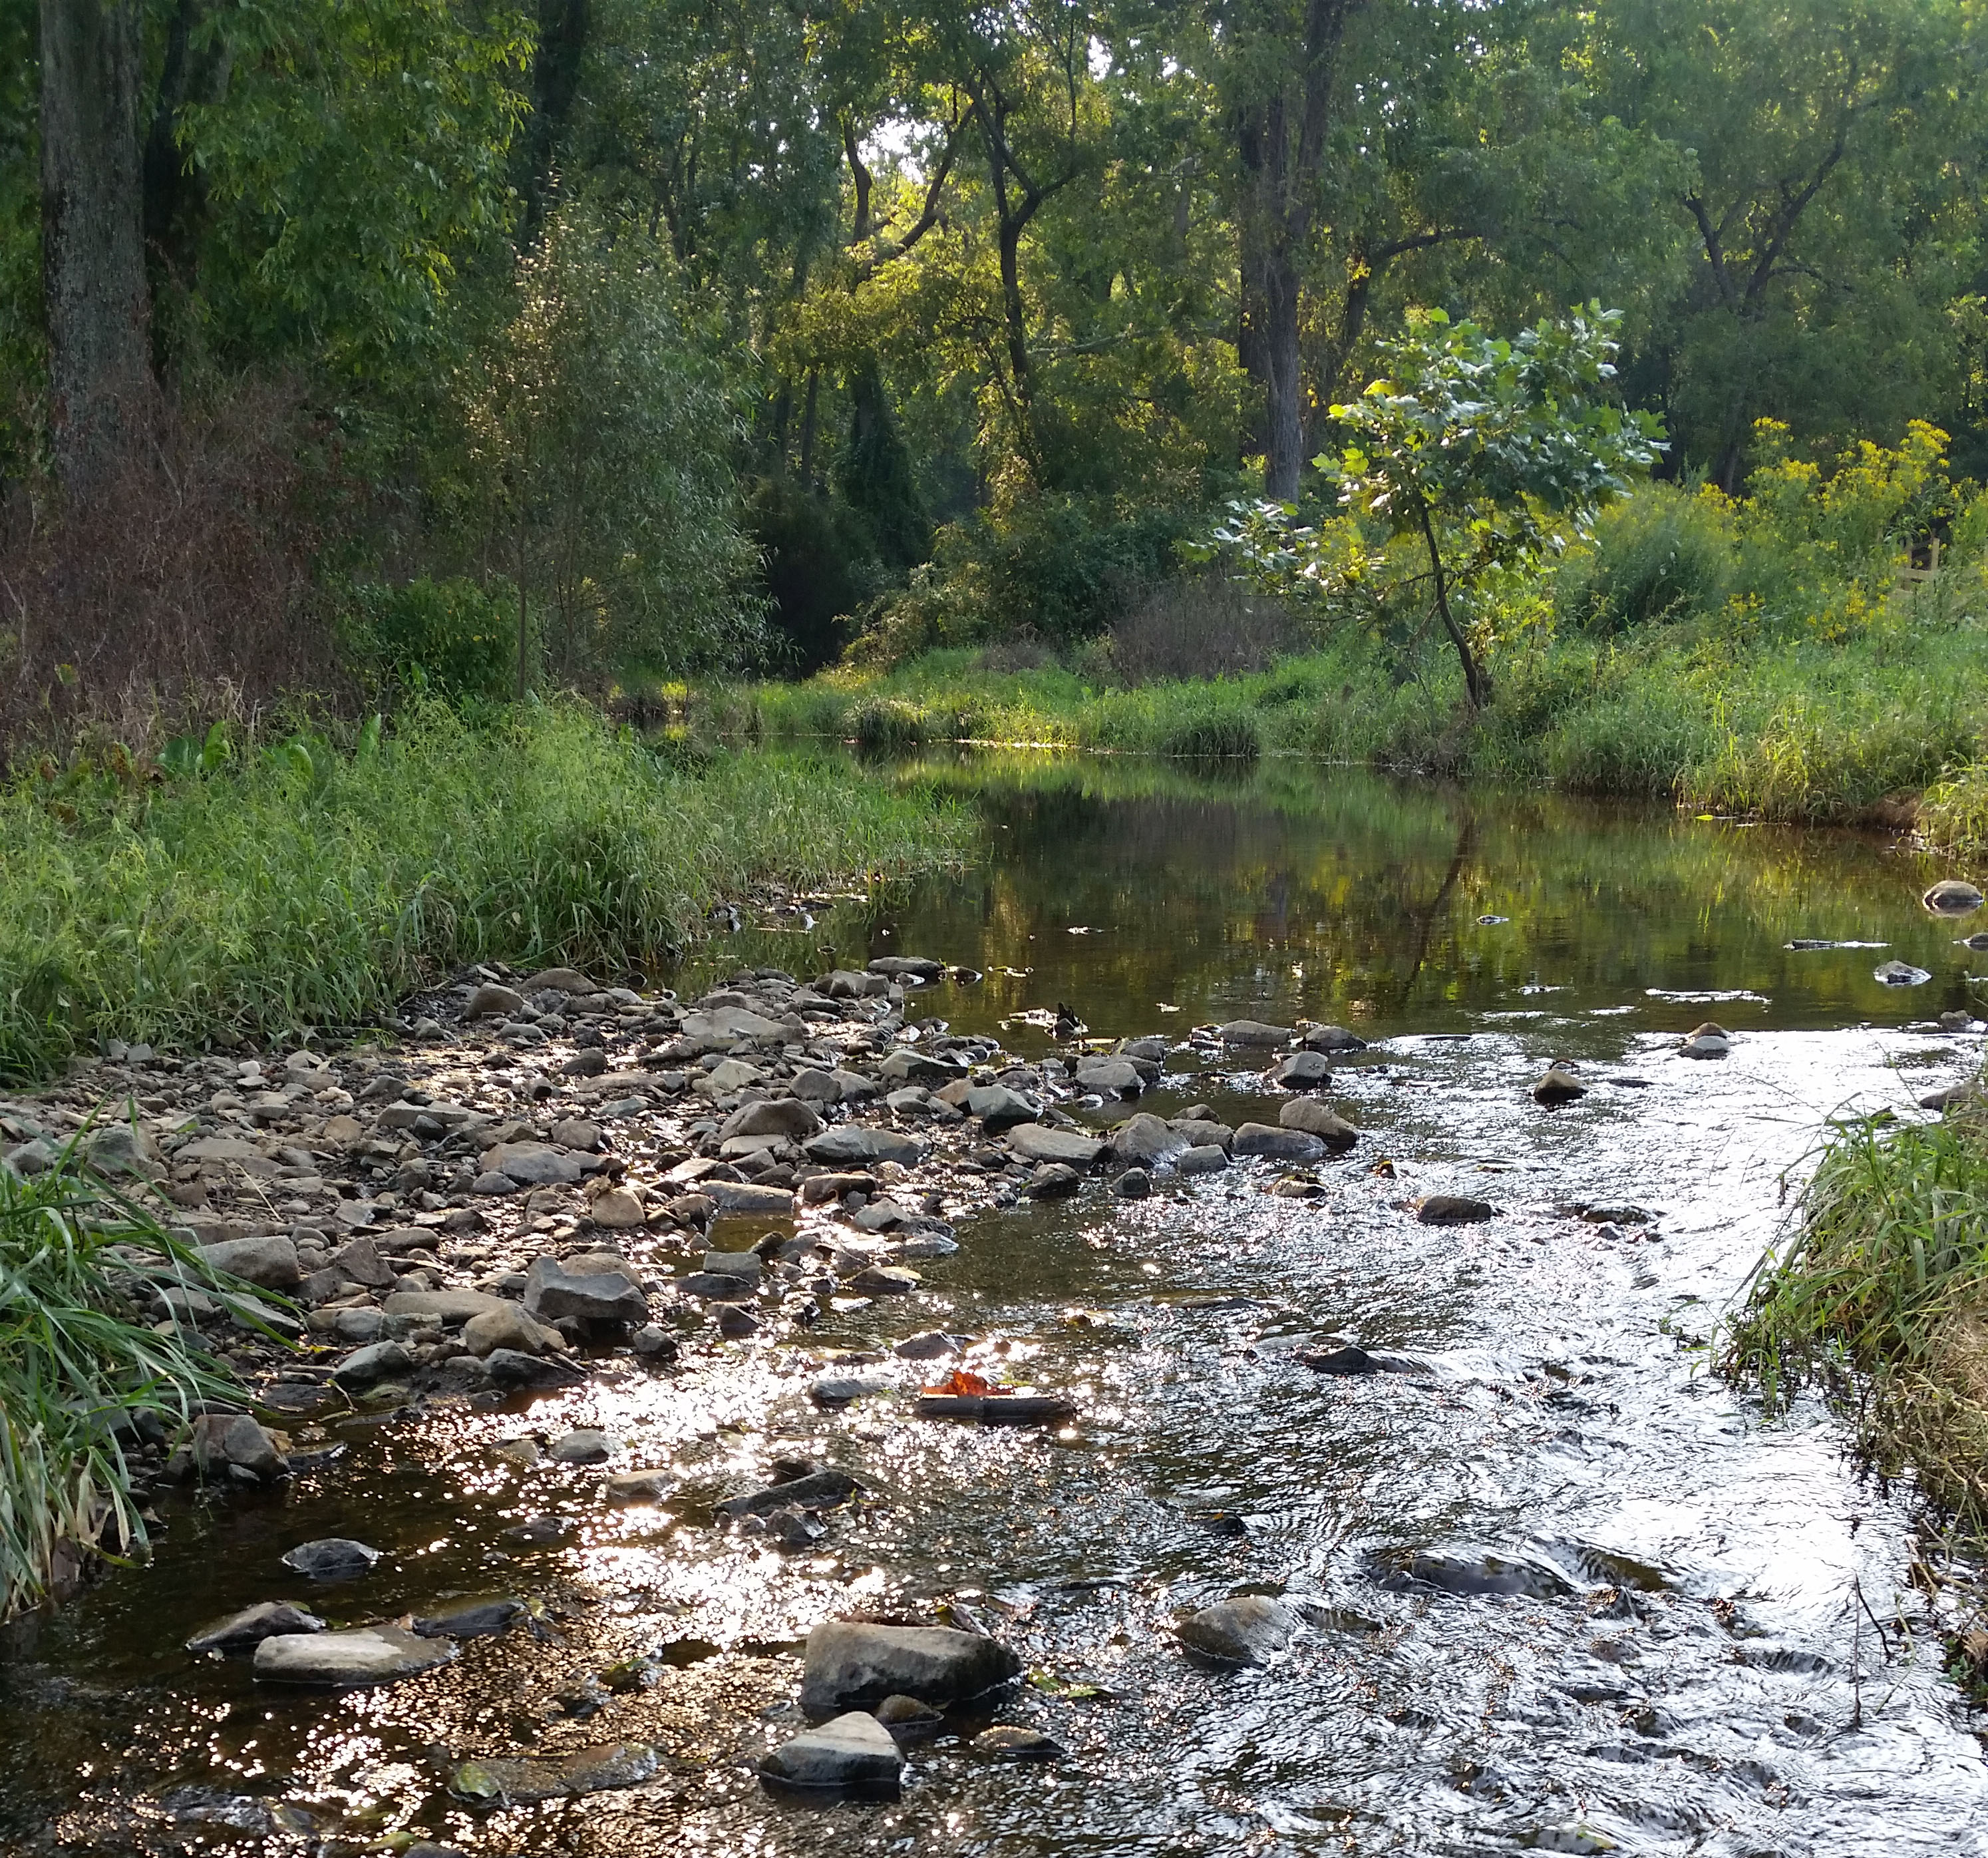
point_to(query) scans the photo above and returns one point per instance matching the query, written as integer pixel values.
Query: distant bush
(1224, 734)
(885, 723)
(449, 637)
(1660, 554)
(1209, 627)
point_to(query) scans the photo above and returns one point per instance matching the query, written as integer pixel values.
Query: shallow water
(1734, 1662)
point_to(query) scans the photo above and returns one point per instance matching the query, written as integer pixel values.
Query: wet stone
(1260, 1139)
(470, 1618)
(1206, 1160)
(1009, 1741)
(1472, 1572)
(583, 1447)
(331, 1558)
(266, 1619)
(1244, 1631)
(521, 1783)
(1316, 1118)
(348, 1661)
(816, 1490)
(1032, 1142)
(1454, 1210)
(851, 1664)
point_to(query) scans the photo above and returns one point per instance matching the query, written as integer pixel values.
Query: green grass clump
(1232, 735)
(309, 889)
(1884, 1292)
(77, 1366)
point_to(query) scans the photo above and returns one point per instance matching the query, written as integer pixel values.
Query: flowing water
(1718, 1650)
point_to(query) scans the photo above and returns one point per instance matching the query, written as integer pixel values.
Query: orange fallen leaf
(964, 1382)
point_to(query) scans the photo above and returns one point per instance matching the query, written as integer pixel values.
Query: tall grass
(1884, 1291)
(314, 889)
(1785, 728)
(77, 1366)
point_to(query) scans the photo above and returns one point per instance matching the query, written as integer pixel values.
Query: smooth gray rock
(1951, 897)
(1034, 1142)
(331, 1558)
(906, 1065)
(1054, 1180)
(1332, 1038)
(853, 1751)
(266, 1619)
(1951, 1097)
(531, 1164)
(744, 1196)
(1110, 1077)
(1303, 1070)
(1199, 1132)
(369, 1366)
(1319, 1119)
(584, 1448)
(270, 1263)
(348, 1661)
(1900, 974)
(1710, 1041)
(999, 1108)
(493, 1000)
(772, 1116)
(908, 967)
(553, 1293)
(1454, 1210)
(851, 1145)
(1254, 1032)
(1259, 1138)
(1556, 1087)
(1133, 1184)
(850, 1664)
(1208, 1159)
(1244, 1631)
(223, 1440)
(1144, 1139)
(452, 1308)
(722, 1026)
(475, 1618)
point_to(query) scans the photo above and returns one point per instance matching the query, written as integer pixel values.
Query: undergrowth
(310, 886)
(1882, 1296)
(80, 1370)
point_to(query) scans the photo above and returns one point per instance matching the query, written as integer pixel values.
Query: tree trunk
(562, 44)
(1284, 423)
(92, 226)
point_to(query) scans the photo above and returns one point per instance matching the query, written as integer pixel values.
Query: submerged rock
(813, 1491)
(349, 1661)
(854, 1750)
(1454, 1210)
(1900, 974)
(1472, 1572)
(474, 1618)
(1010, 1741)
(1244, 1631)
(331, 1558)
(266, 1619)
(850, 1662)
(519, 1782)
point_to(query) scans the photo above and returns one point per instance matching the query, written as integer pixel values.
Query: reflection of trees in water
(1374, 886)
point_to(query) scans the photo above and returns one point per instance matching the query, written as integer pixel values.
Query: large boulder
(225, 1441)
(1319, 1119)
(854, 1750)
(1332, 1038)
(508, 1327)
(1454, 1210)
(1033, 1141)
(270, 1263)
(850, 1146)
(1302, 1070)
(452, 1308)
(531, 1164)
(1145, 1139)
(1951, 897)
(554, 1292)
(1254, 1032)
(1259, 1138)
(723, 1027)
(348, 1661)
(851, 1663)
(998, 1108)
(1244, 1631)
(772, 1116)
(1110, 1077)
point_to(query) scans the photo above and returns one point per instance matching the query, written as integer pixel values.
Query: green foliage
(1663, 554)
(603, 435)
(449, 637)
(1887, 1278)
(821, 568)
(357, 161)
(78, 1366)
(307, 887)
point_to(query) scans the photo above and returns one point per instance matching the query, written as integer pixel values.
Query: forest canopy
(491, 347)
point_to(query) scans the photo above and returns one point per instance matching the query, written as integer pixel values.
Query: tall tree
(1285, 70)
(93, 225)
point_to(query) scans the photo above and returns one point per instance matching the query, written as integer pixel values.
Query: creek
(1718, 1648)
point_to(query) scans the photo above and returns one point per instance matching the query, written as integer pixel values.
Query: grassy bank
(81, 1373)
(1822, 731)
(1883, 1295)
(308, 886)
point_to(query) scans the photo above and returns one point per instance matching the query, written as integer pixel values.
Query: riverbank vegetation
(83, 1381)
(273, 889)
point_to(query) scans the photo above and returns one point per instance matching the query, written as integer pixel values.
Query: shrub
(883, 724)
(1209, 627)
(449, 637)
(1222, 734)
(1660, 554)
